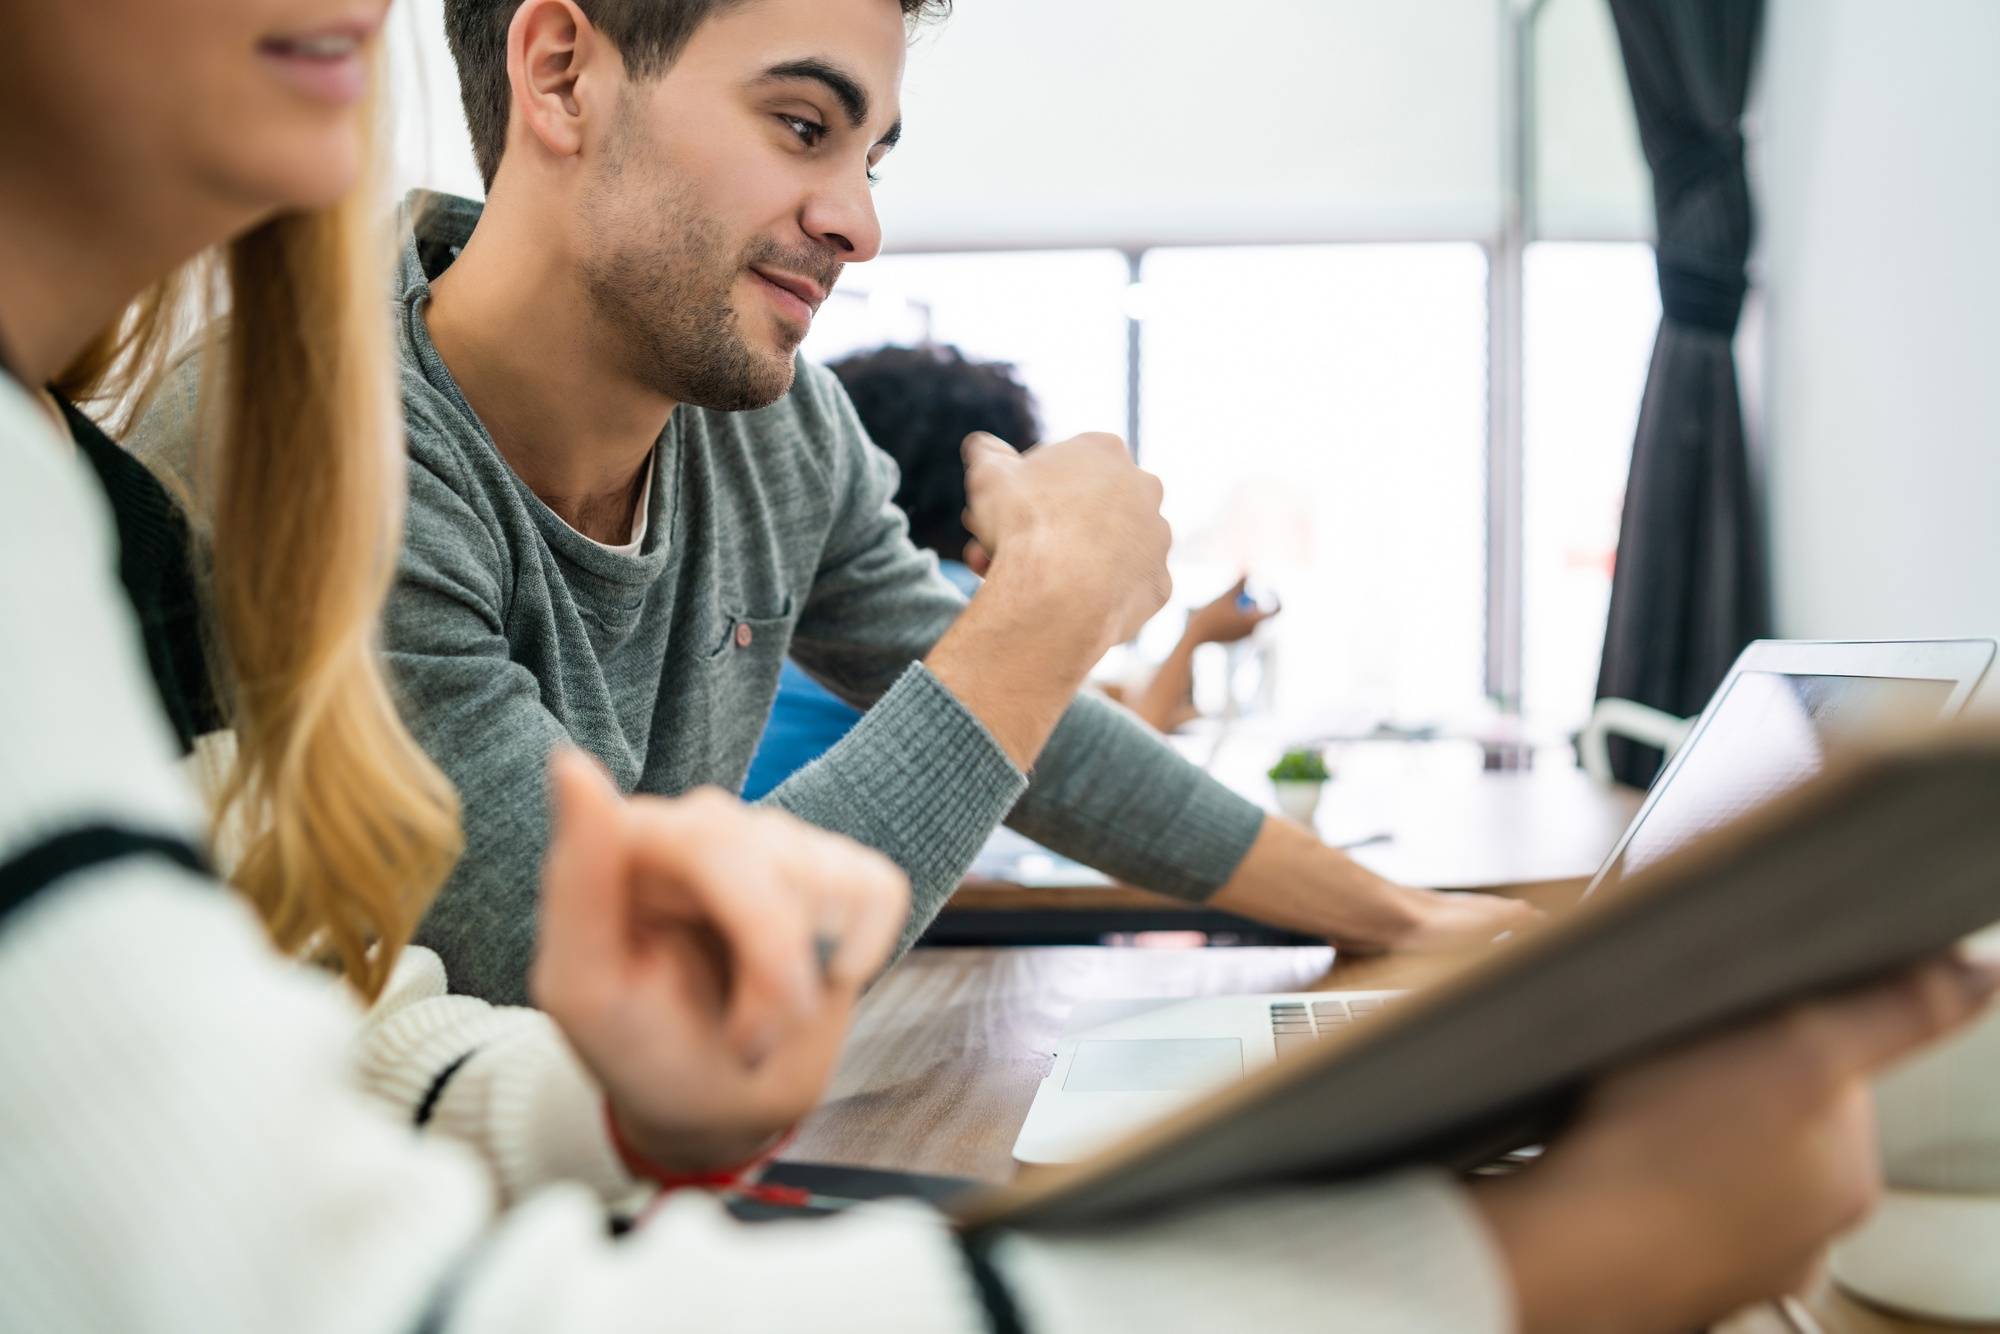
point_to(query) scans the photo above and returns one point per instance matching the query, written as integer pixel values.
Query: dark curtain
(1689, 590)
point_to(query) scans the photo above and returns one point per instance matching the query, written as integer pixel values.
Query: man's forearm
(1291, 879)
(1017, 656)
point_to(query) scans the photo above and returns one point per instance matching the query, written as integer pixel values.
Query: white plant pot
(1298, 801)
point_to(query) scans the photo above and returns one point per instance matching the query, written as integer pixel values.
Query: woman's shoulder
(47, 500)
(85, 738)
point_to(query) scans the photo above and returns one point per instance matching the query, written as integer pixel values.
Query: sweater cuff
(540, 1115)
(1111, 794)
(1400, 1253)
(499, 1079)
(920, 779)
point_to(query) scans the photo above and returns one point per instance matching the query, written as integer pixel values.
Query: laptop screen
(1769, 732)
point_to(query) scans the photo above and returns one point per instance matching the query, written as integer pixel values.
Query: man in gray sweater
(630, 500)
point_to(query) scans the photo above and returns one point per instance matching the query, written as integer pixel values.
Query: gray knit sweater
(771, 532)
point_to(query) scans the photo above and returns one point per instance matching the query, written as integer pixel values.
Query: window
(1058, 315)
(1318, 416)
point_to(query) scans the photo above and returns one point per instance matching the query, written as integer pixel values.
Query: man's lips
(809, 293)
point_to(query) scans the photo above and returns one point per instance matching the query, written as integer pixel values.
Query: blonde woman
(184, 1143)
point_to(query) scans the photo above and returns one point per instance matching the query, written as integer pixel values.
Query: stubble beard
(661, 285)
(661, 273)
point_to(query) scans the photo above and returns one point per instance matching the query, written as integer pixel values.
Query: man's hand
(680, 952)
(1291, 879)
(1715, 1176)
(1087, 518)
(1070, 539)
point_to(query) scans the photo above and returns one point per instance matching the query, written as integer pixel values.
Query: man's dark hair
(649, 35)
(919, 404)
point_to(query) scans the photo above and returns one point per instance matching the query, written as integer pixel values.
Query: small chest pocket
(721, 712)
(751, 638)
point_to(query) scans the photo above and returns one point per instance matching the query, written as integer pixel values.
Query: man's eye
(810, 132)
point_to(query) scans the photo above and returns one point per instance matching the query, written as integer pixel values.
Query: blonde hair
(345, 827)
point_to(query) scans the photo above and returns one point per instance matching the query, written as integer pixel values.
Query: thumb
(1873, 1027)
(983, 448)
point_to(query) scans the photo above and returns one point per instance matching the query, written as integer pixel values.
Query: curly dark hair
(919, 404)
(649, 36)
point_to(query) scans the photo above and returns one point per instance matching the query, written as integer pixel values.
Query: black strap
(1002, 1315)
(28, 873)
(428, 1106)
(156, 565)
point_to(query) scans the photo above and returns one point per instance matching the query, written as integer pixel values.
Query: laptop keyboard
(1296, 1024)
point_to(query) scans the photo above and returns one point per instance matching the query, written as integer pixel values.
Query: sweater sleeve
(186, 1151)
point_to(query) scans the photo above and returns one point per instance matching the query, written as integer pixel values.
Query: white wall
(1119, 122)
(1095, 122)
(1125, 122)
(1879, 179)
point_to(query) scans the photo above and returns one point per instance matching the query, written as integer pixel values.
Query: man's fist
(1079, 517)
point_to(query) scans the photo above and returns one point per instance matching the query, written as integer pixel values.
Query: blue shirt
(807, 718)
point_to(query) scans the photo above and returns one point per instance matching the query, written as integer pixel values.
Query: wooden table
(948, 1049)
(1448, 828)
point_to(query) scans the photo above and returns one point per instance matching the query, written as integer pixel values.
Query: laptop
(1123, 1063)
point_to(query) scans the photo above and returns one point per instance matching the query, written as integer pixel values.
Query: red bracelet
(718, 1179)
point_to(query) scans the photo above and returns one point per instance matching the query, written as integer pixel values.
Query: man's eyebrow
(846, 90)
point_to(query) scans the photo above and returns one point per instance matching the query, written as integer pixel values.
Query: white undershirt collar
(641, 513)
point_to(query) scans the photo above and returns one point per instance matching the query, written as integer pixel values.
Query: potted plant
(1297, 778)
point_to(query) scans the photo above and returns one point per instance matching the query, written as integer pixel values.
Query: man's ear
(552, 50)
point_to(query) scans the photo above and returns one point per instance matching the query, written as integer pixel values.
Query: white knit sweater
(195, 1134)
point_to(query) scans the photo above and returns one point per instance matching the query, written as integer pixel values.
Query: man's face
(734, 187)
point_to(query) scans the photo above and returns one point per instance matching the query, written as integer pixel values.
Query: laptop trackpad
(1152, 1065)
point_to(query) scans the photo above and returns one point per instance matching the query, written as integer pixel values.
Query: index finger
(581, 917)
